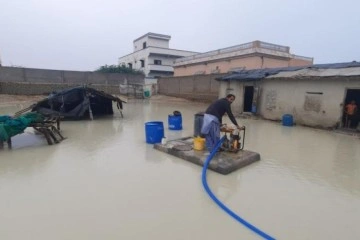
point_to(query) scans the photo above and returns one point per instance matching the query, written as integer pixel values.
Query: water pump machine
(234, 139)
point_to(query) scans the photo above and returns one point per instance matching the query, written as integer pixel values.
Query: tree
(118, 69)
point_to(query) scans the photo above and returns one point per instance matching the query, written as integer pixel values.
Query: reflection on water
(11, 109)
(105, 182)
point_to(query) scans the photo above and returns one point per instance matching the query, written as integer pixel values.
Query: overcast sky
(86, 34)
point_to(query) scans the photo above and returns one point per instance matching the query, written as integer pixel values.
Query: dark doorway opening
(248, 98)
(351, 121)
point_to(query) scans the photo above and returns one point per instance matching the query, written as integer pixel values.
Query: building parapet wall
(154, 35)
(157, 51)
(271, 46)
(32, 75)
(169, 51)
(303, 58)
(239, 50)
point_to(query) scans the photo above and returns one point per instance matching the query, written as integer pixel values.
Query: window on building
(130, 65)
(313, 101)
(142, 63)
(144, 44)
(157, 62)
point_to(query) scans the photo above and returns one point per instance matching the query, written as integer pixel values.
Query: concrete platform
(223, 162)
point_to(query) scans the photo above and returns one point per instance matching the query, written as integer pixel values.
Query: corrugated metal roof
(334, 69)
(310, 72)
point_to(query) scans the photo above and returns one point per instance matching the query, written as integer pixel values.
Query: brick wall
(197, 87)
(30, 81)
(22, 88)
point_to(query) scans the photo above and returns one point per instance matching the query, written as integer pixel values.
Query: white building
(153, 56)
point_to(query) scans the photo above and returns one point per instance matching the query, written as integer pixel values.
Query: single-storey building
(315, 95)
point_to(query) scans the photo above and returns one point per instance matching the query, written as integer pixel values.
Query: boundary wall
(197, 87)
(31, 81)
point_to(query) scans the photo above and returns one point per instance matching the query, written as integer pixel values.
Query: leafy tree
(118, 69)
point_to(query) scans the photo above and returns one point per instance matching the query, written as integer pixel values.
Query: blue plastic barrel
(175, 122)
(253, 108)
(287, 120)
(154, 132)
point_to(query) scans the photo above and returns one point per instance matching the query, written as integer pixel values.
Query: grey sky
(85, 34)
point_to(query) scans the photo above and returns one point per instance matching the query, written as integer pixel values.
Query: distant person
(213, 120)
(350, 111)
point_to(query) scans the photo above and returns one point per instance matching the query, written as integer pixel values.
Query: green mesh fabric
(10, 127)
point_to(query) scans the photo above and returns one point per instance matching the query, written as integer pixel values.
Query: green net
(10, 126)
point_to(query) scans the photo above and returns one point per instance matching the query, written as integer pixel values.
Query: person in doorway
(213, 120)
(350, 111)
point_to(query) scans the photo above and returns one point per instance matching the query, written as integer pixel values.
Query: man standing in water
(213, 120)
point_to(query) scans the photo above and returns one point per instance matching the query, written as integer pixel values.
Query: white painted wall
(138, 45)
(156, 42)
(291, 96)
(169, 55)
(165, 60)
(152, 40)
(135, 58)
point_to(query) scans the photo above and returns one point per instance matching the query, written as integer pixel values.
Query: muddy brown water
(105, 182)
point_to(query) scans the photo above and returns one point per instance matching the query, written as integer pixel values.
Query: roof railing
(250, 45)
(303, 58)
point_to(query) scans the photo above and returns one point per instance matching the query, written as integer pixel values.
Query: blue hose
(219, 203)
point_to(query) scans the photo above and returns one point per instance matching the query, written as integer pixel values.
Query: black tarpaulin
(77, 103)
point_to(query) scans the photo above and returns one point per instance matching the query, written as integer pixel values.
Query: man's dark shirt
(219, 108)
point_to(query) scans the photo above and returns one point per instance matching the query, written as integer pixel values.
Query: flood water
(105, 182)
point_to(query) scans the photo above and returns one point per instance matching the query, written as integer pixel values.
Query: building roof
(323, 70)
(154, 35)
(255, 47)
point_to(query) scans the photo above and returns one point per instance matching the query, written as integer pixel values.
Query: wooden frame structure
(49, 130)
(49, 127)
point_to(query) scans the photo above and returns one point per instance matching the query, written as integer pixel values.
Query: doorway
(248, 98)
(351, 95)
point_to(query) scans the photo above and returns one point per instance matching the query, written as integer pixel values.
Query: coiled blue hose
(220, 204)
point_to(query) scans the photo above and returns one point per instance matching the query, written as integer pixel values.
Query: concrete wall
(294, 62)
(152, 39)
(134, 59)
(247, 62)
(41, 81)
(303, 99)
(165, 60)
(317, 102)
(46, 88)
(166, 55)
(155, 42)
(200, 87)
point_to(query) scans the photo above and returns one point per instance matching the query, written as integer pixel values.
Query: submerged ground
(105, 182)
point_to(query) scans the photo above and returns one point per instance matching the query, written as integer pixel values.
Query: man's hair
(230, 95)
